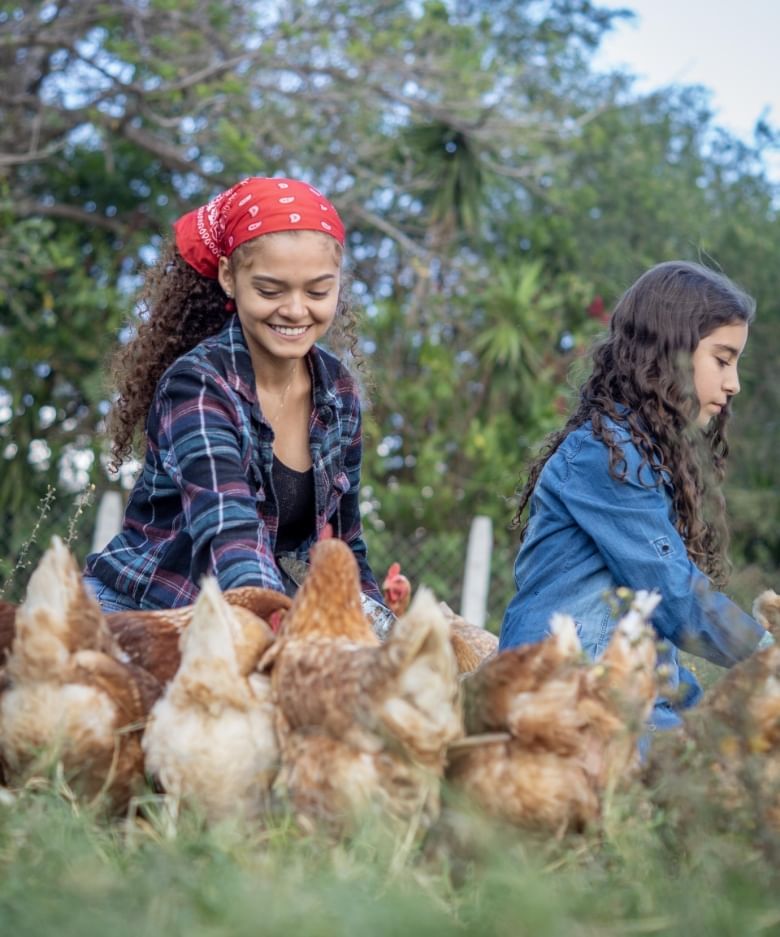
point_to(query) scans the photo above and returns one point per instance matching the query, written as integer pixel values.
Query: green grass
(649, 870)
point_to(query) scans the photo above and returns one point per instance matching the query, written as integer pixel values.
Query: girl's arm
(196, 422)
(632, 527)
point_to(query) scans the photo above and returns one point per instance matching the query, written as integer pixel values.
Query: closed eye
(275, 294)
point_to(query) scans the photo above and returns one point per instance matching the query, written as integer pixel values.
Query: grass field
(649, 869)
(667, 859)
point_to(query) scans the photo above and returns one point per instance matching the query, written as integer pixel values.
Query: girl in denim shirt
(626, 494)
(253, 431)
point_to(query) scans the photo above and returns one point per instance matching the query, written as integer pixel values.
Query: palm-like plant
(520, 321)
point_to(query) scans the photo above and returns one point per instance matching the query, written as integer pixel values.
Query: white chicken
(210, 738)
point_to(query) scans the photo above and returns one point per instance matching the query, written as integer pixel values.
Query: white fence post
(476, 576)
(108, 520)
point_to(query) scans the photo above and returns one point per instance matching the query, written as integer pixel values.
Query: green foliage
(53, 340)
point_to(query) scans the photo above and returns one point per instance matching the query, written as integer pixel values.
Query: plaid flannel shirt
(204, 502)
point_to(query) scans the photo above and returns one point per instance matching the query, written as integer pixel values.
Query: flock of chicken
(248, 699)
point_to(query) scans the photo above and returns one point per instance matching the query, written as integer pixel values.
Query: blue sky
(730, 46)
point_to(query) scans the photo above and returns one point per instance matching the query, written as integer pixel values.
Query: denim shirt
(204, 501)
(588, 534)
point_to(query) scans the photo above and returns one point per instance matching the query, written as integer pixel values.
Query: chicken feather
(735, 730)
(329, 600)
(382, 714)
(150, 638)
(472, 644)
(549, 733)
(210, 738)
(64, 695)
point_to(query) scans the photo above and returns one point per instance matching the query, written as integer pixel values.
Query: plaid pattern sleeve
(204, 452)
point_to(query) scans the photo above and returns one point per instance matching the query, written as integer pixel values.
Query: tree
(118, 116)
(499, 195)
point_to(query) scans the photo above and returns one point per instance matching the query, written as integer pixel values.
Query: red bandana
(252, 207)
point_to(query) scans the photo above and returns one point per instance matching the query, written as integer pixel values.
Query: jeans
(109, 599)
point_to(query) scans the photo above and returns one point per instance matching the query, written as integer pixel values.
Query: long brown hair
(179, 308)
(642, 378)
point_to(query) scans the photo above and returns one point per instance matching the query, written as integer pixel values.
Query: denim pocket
(109, 599)
(663, 547)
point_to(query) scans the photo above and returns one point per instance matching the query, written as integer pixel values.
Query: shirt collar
(242, 375)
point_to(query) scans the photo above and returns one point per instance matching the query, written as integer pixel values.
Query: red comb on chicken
(397, 590)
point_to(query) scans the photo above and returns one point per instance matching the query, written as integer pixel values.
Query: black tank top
(295, 500)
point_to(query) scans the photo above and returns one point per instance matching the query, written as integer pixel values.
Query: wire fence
(438, 560)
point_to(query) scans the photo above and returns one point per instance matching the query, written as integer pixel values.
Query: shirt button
(326, 413)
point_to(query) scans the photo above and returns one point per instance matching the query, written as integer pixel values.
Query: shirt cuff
(765, 642)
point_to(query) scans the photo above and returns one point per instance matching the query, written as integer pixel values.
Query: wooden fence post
(108, 520)
(476, 575)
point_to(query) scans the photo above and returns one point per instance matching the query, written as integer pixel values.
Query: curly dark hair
(179, 308)
(642, 377)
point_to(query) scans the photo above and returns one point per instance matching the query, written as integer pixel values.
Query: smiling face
(715, 377)
(286, 289)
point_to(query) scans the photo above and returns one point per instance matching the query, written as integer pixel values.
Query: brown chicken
(361, 724)
(471, 644)
(745, 703)
(735, 730)
(550, 733)
(210, 739)
(150, 639)
(397, 590)
(64, 695)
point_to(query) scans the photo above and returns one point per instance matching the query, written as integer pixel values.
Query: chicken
(550, 733)
(621, 688)
(745, 703)
(63, 693)
(734, 733)
(210, 738)
(151, 639)
(397, 590)
(471, 644)
(361, 723)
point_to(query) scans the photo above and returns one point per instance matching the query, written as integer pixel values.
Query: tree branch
(27, 208)
(33, 156)
(391, 230)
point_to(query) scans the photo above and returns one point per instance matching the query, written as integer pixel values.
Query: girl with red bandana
(252, 430)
